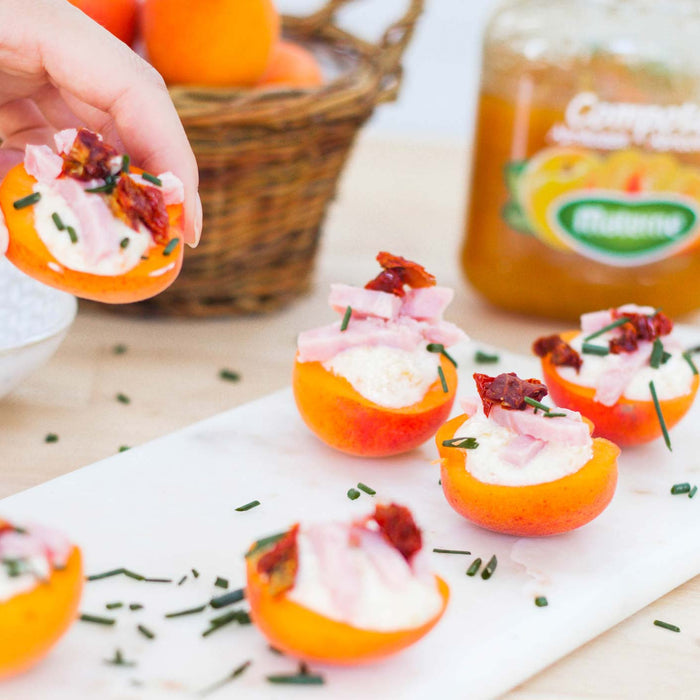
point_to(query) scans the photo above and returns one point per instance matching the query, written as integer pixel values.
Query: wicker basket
(269, 164)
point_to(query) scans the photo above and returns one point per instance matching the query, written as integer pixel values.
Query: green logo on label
(623, 229)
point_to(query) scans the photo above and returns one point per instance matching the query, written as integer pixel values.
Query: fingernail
(197, 221)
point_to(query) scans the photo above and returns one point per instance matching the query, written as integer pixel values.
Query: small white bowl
(34, 320)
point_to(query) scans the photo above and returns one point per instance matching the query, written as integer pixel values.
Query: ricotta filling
(369, 585)
(112, 257)
(554, 461)
(673, 378)
(389, 377)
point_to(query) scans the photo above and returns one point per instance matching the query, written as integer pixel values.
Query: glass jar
(586, 174)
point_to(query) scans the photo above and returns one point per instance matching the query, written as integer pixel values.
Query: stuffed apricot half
(87, 222)
(345, 594)
(41, 580)
(625, 370)
(511, 464)
(379, 382)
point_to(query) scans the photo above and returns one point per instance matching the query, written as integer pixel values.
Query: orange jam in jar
(586, 174)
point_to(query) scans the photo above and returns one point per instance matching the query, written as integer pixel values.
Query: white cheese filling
(485, 463)
(110, 257)
(673, 378)
(32, 571)
(389, 377)
(353, 589)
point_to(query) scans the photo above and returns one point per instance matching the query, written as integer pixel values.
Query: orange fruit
(117, 16)
(217, 42)
(292, 65)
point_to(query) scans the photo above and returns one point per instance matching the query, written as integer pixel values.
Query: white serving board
(168, 506)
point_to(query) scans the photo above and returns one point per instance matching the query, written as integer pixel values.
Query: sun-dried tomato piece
(397, 272)
(399, 529)
(626, 339)
(89, 157)
(389, 281)
(5, 527)
(638, 327)
(560, 352)
(137, 203)
(508, 391)
(279, 564)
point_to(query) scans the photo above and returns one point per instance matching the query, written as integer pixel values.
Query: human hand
(59, 69)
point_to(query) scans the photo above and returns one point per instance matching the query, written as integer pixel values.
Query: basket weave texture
(269, 163)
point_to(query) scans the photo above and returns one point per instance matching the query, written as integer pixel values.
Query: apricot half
(33, 621)
(347, 421)
(307, 635)
(627, 422)
(548, 508)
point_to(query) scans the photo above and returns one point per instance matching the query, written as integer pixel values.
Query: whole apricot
(117, 16)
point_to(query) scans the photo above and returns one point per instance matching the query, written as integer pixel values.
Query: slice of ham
(442, 332)
(611, 384)
(426, 303)
(64, 140)
(364, 302)
(522, 449)
(565, 429)
(42, 163)
(171, 187)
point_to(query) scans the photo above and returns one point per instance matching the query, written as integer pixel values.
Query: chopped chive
(135, 606)
(605, 329)
(27, 201)
(487, 573)
(264, 542)
(439, 550)
(689, 360)
(124, 448)
(665, 357)
(274, 650)
(231, 676)
(346, 318)
(51, 437)
(195, 573)
(541, 601)
(114, 606)
(485, 358)
(172, 244)
(229, 375)
(657, 352)
(106, 574)
(107, 188)
(227, 599)
(124, 243)
(680, 488)
(295, 679)
(152, 179)
(133, 574)
(119, 660)
(667, 626)
(474, 568)
(58, 221)
(126, 162)
(439, 347)
(591, 349)
(221, 582)
(248, 506)
(72, 234)
(465, 443)
(97, 619)
(182, 580)
(145, 632)
(157, 580)
(659, 414)
(363, 487)
(443, 381)
(239, 616)
(119, 349)
(555, 415)
(537, 405)
(189, 611)
(692, 491)
(353, 494)
(123, 398)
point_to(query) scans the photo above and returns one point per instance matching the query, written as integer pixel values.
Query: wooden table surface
(406, 197)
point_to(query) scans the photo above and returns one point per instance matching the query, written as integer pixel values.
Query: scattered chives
(114, 606)
(609, 327)
(135, 606)
(58, 221)
(474, 568)
(72, 234)
(537, 405)
(119, 349)
(107, 188)
(239, 616)
(227, 599)
(124, 243)
(363, 487)
(172, 244)
(657, 352)
(152, 179)
(485, 358)
(51, 437)
(680, 488)
(182, 580)
(248, 506)
(123, 398)
(439, 550)
(439, 347)
(487, 573)
(221, 582)
(466, 443)
(667, 626)
(195, 573)
(231, 676)
(145, 632)
(189, 611)
(443, 381)
(157, 580)
(124, 448)
(27, 201)
(549, 414)
(591, 349)
(346, 318)
(659, 414)
(106, 574)
(119, 660)
(353, 494)
(126, 162)
(301, 677)
(229, 375)
(97, 619)
(133, 574)
(689, 360)
(541, 601)
(692, 491)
